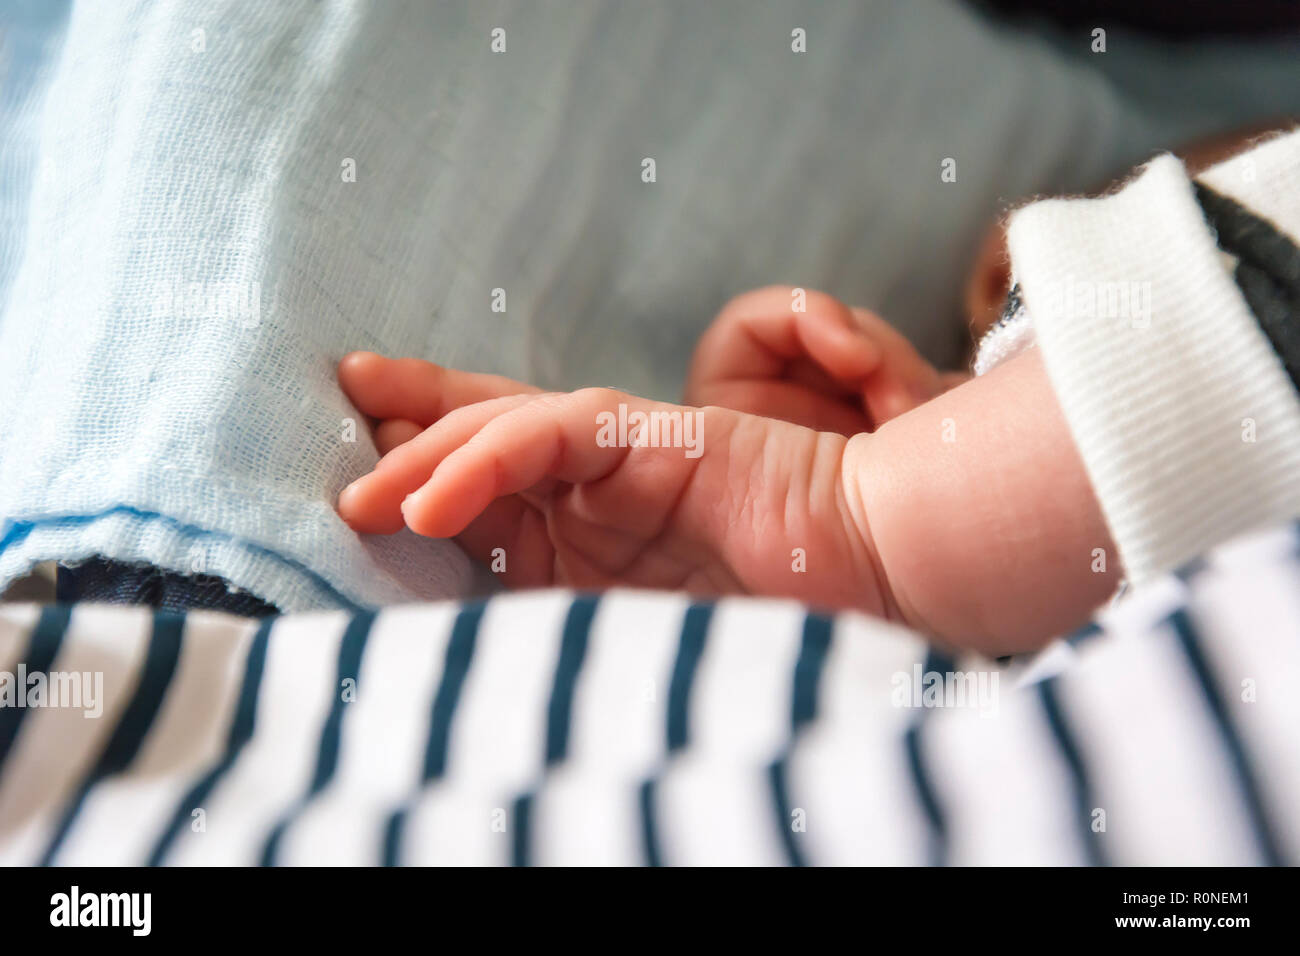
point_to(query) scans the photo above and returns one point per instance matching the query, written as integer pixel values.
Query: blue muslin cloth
(193, 265)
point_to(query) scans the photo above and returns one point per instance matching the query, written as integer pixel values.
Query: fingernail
(345, 501)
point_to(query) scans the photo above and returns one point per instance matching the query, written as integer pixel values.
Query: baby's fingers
(416, 390)
(373, 503)
(552, 437)
(759, 333)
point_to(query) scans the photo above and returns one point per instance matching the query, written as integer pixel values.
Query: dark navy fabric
(114, 582)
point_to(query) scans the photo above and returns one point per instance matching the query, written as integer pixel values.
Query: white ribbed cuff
(1185, 418)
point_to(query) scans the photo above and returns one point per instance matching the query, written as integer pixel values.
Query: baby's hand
(983, 528)
(709, 500)
(828, 367)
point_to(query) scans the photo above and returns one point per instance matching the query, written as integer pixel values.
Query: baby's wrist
(983, 522)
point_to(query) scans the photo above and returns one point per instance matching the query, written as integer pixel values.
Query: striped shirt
(636, 728)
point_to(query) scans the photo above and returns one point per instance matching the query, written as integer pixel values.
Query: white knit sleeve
(1186, 420)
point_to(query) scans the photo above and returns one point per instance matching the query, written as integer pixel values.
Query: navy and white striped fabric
(637, 728)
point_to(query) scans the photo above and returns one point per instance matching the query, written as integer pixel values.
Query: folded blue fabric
(192, 266)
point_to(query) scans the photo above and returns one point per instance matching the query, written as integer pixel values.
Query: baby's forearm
(982, 515)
